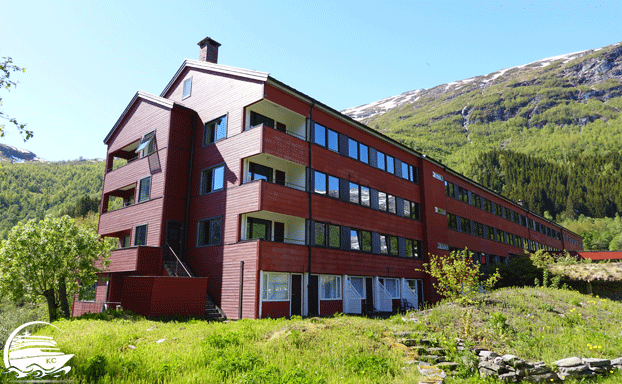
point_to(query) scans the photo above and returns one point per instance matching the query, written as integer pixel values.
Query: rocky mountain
(16, 155)
(553, 108)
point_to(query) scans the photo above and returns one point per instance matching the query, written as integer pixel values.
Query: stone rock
(419, 349)
(577, 370)
(489, 365)
(487, 355)
(436, 351)
(568, 362)
(538, 370)
(432, 358)
(617, 361)
(486, 372)
(593, 362)
(131, 346)
(409, 342)
(601, 370)
(425, 341)
(161, 341)
(404, 334)
(513, 361)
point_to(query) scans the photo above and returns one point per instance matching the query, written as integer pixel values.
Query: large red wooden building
(274, 204)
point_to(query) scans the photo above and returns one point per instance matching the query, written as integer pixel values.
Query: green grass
(537, 324)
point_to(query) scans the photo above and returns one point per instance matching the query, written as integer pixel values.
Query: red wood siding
(164, 296)
(229, 302)
(274, 309)
(214, 95)
(280, 257)
(142, 260)
(285, 146)
(273, 197)
(330, 307)
(147, 212)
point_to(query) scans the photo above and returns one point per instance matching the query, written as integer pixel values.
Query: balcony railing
(284, 241)
(291, 133)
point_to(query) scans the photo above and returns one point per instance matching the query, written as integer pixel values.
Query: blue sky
(85, 60)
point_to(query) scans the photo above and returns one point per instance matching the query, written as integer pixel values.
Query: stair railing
(176, 260)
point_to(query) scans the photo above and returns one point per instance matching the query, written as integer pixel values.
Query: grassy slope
(544, 324)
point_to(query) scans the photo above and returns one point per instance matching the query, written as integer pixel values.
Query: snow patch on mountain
(17, 155)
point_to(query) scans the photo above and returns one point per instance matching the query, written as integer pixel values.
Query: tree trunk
(62, 293)
(52, 306)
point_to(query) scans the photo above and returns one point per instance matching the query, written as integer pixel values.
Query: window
(353, 150)
(414, 249)
(187, 88)
(333, 186)
(258, 119)
(392, 287)
(415, 211)
(334, 236)
(320, 135)
(479, 229)
(405, 172)
(275, 286)
(215, 130)
(87, 293)
(466, 225)
(390, 164)
(144, 191)
(393, 245)
(140, 235)
(366, 241)
(364, 153)
(392, 204)
(124, 241)
(414, 176)
(407, 208)
(212, 179)
(463, 195)
(477, 200)
(384, 244)
(320, 182)
(209, 231)
(258, 229)
(365, 197)
(259, 172)
(354, 193)
(487, 205)
(330, 287)
(147, 144)
(452, 223)
(355, 244)
(381, 161)
(491, 233)
(449, 189)
(382, 201)
(358, 283)
(320, 234)
(333, 140)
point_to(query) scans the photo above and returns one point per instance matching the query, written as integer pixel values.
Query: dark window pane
(366, 241)
(259, 229)
(353, 150)
(257, 119)
(320, 135)
(407, 208)
(393, 247)
(354, 240)
(214, 231)
(364, 153)
(145, 189)
(384, 244)
(320, 234)
(259, 172)
(390, 164)
(215, 130)
(334, 239)
(365, 197)
(416, 211)
(381, 161)
(320, 182)
(333, 140)
(140, 237)
(354, 193)
(333, 186)
(409, 248)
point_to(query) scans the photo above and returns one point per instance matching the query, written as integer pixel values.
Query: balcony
(276, 227)
(275, 170)
(142, 259)
(128, 217)
(275, 117)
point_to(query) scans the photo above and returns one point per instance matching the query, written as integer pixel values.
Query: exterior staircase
(175, 267)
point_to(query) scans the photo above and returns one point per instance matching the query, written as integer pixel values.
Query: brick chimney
(209, 50)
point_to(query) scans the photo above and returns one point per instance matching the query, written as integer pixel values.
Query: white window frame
(265, 282)
(336, 285)
(188, 82)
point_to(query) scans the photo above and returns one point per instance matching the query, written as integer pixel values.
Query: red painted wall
(274, 309)
(330, 307)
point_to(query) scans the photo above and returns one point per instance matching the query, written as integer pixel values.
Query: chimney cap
(210, 41)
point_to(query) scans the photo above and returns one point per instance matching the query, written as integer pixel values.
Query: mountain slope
(554, 108)
(16, 155)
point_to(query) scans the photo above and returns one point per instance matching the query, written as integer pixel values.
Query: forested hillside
(34, 190)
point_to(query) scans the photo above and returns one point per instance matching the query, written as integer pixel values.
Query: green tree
(47, 258)
(457, 276)
(6, 68)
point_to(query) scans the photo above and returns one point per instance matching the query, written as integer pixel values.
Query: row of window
(340, 143)
(482, 230)
(275, 286)
(345, 190)
(468, 197)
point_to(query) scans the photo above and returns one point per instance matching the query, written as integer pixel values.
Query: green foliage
(599, 234)
(47, 258)
(35, 190)
(96, 367)
(6, 68)
(457, 276)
